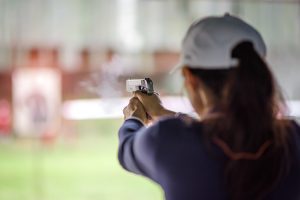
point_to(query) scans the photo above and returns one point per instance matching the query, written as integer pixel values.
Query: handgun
(144, 85)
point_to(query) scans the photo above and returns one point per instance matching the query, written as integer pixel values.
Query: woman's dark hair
(250, 105)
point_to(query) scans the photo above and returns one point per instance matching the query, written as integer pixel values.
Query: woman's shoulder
(292, 127)
(178, 124)
(163, 132)
(295, 132)
(296, 126)
(179, 120)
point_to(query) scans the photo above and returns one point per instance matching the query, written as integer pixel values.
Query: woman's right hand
(153, 105)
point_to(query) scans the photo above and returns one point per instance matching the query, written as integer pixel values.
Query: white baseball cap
(208, 42)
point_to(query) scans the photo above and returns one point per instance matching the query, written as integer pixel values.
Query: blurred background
(63, 66)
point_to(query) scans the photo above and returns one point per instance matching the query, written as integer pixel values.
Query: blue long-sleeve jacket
(173, 154)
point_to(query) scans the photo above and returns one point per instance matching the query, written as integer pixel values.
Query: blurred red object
(5, 117)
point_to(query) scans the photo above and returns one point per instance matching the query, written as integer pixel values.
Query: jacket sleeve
(138, 147)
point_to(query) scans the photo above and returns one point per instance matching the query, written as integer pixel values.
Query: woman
(242, 148)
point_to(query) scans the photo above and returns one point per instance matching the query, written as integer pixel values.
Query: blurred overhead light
(127, 26)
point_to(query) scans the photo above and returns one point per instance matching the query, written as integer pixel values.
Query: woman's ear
(190, 79)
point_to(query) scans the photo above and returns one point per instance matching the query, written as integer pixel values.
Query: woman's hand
(153, 105)
(135, 109)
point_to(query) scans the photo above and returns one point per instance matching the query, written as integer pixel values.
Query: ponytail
(250, 133)
(251, 106)
(252, 88)
(249, 99)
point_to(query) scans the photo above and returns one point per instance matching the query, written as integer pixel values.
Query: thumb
(138, 94)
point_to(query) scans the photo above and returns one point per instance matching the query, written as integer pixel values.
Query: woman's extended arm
(137, 144)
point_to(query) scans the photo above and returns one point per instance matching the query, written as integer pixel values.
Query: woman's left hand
(135, 109)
